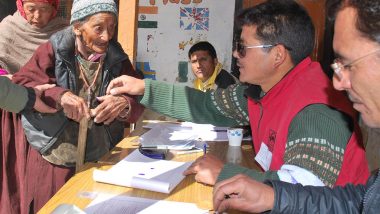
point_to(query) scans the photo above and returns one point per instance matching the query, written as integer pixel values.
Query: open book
(139, 171)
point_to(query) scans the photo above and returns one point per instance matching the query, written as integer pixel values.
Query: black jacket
(224, 79)
(290, 198)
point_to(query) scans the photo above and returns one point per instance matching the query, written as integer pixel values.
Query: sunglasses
(242, 49)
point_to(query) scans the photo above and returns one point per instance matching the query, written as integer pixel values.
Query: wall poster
(168, 28)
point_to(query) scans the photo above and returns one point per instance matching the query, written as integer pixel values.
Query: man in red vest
(303, 130)
(357, 71)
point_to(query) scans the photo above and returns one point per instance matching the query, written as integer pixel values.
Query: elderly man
(301, 127)
(206, 68)
(81, 60)
(357, 46)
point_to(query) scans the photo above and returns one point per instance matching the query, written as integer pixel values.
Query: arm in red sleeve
(40, 70)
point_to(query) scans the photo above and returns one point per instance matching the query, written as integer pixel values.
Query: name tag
(264, 157)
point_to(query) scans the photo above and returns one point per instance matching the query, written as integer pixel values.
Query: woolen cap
(84, 8)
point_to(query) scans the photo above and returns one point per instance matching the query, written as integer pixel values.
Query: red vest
(271, 116)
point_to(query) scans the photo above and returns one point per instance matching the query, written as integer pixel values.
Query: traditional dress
(18, 41)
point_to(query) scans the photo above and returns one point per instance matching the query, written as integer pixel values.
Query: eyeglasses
(242, 49)
(338, 66)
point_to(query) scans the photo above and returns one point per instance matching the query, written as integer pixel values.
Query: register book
(139, 171)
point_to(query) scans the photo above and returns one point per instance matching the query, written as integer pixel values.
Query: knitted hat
(84, 8)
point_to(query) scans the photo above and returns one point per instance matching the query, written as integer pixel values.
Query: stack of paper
(164, 137)
(185, 130)
(139, 171)
(184, 136)
(112, 204)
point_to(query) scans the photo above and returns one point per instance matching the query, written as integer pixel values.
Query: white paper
(112, 204)
(264, 157)
(295, 174)
(139, 171)
(171, 133)
(169, 137)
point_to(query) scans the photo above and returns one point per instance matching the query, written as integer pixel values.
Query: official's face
(359, 63)
(255, 64)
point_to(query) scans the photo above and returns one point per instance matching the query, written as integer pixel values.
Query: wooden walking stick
(82, 140)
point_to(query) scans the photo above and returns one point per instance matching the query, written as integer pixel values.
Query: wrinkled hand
(109, 108)
(39, 105)
(74, 106)
(243, 193)
(206, 169)
(126, 85)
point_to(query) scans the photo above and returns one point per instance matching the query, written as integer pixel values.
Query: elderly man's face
(97, 31)
(38, 14)
(360, 79)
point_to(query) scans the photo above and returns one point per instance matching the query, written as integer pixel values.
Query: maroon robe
(28, 180)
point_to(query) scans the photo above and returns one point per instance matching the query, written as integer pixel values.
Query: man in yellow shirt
(206, 68)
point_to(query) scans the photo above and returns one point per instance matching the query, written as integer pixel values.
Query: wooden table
(76, 190)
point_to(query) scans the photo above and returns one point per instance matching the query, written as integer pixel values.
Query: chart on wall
(168, 28)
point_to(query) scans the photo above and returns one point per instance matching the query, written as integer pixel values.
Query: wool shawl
(19, 40)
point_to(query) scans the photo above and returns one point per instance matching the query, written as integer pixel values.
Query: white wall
(165, 36)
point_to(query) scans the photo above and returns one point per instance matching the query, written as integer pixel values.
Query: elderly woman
(81, 60)
(30, 26)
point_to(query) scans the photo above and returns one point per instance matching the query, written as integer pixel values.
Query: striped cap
(84, 8)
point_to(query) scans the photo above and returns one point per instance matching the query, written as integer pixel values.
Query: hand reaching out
(39, 105)
(126, 85)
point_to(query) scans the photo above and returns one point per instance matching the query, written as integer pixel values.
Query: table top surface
(81, 189)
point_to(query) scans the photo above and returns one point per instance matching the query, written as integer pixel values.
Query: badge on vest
(264, 156)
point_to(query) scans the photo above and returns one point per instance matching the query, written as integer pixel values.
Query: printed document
(139, 171)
